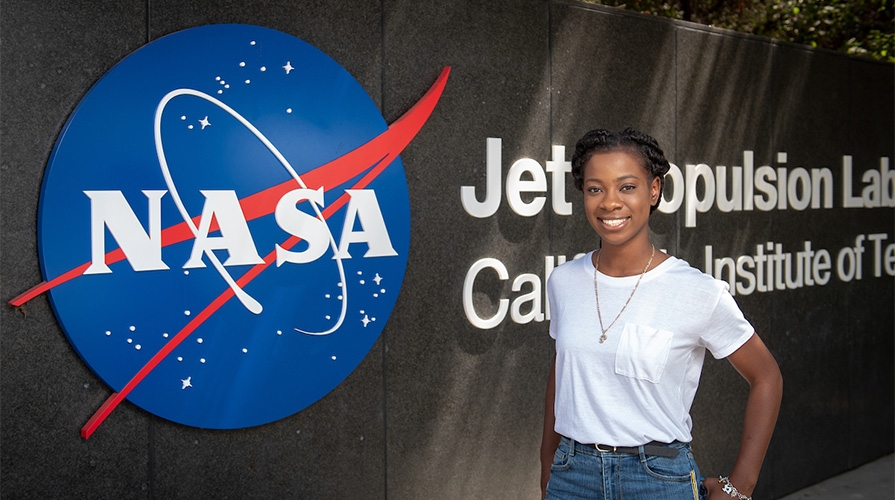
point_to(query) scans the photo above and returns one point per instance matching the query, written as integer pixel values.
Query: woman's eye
(593, 190)
(627, 187)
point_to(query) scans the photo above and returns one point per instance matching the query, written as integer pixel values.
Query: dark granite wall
(440, 408)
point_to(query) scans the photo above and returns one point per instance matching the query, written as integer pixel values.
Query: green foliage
(860, 27)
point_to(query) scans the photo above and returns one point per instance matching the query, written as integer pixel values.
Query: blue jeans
(581, 472)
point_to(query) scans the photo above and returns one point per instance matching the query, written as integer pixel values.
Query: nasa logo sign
(224, 225)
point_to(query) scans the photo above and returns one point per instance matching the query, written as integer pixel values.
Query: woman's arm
(756, 364)
(550, 439)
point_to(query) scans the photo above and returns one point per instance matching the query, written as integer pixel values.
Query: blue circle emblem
(231, 263)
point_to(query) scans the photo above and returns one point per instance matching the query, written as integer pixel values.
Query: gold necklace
(597, 292)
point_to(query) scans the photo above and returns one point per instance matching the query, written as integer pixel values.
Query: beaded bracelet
(731, 489)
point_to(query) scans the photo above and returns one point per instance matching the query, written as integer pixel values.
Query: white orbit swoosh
(247, 300)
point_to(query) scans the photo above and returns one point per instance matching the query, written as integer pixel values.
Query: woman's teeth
(614, 222)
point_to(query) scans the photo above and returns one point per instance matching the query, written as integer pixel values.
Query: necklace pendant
(597, 292)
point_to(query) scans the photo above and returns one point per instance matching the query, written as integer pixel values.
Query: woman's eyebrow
(617, 179)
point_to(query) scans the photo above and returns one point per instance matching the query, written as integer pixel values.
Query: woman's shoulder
(572, 268)
(687, 277)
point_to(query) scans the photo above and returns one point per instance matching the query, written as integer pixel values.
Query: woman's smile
(614, 223)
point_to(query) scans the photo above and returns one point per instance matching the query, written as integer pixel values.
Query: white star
(365, 321)
(186, 383)
(377, 279)
(288, 67)
(204, 122)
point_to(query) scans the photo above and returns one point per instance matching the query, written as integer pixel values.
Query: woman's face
(617, 197)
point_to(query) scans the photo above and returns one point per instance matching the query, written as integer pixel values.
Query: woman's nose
(610, 201)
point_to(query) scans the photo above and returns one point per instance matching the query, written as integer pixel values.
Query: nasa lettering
(224, 226)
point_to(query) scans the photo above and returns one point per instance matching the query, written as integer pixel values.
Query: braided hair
(629, 141)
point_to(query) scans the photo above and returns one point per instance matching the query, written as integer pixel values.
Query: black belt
(653, 448)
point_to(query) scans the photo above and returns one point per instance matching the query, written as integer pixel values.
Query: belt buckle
(597, 446)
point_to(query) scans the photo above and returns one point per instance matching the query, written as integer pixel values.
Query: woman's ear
(655, 188)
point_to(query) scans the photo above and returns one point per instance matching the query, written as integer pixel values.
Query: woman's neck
(628, 260)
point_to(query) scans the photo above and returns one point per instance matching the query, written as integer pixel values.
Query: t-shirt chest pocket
(643, 352)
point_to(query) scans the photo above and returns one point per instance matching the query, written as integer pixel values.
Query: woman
(631, 325)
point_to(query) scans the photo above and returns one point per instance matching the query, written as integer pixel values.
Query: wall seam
(850, 452)
(775, 146)
(677, 146)
(551, 221)
(384, 331)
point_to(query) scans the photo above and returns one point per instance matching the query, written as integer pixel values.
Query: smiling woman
(616, 415)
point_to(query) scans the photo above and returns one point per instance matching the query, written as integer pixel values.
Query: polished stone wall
(440, 408)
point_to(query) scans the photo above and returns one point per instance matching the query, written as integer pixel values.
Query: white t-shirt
(639, 385)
